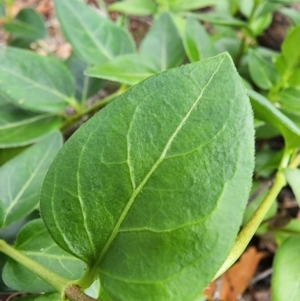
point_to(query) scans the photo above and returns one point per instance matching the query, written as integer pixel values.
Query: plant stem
(250, 228)
(56, 281)
(74, 293)
(96, 106)
(295, 162)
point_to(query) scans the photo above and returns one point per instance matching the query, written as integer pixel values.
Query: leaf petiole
(58, 282)
(250, 228)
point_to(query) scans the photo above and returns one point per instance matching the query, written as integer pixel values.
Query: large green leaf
(94, 38)
(286, 266)
(163, 43)
(21, 178)
(266, 111)
(19, 127)
(197, 42)
(129, 69)
(143, 189)
(34, 241)
(34, 82)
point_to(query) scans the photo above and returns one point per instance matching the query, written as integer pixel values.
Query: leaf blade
(143, 185)
(20, 182)
(94, 38)
(40, 84)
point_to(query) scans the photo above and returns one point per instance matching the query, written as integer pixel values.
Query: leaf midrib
(154, 167)
(36, 84)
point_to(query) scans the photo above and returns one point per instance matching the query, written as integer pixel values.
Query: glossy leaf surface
(21, 178)
(19, 127)
(129, 69)
(163, 43)
(95, 39)
(34, 241)
(197, 43)
(39, 83)
(286, 266)
(144, 188)
(266, 111)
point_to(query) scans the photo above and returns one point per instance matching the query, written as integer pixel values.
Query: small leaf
(259, 24)
(289, 99)
(85, 86)
(266, 111)
(19, 127)
(39, 83)
(197, 43)
(178, 6)
(94, 38)
(290, 49)
(163, 43)
(134, 7)
(142, 173)
(293, 178)
(261, 70)
(21, 178)
(128, 69)
(286, 266)
(28, 25)
(219, 19)
(35, 242)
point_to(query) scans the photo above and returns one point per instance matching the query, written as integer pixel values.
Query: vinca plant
(147, 200)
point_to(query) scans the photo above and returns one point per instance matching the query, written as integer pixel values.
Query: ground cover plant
(147, 200)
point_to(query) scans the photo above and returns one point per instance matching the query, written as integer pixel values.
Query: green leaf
(134, 7)
(262, 71)
(163, 43)
(179, 5)
(290, 49)
(85, 86)
(196, 41)
(260, 23)
(21, 178)
(292, 14)
(220, 19)
(128, 69)
(34, 82)
(2, 213)
(7, 154)
(19, 127)
(266, 111)
(286, 266)
(152, 172)
(293, 178)
(94, 38)
(28, 25)
(35, 242)
(289, 99)
(49, 297)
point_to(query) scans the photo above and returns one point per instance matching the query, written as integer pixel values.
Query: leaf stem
(74, 293)
(96, 106)
(56, 281)
(250, 228)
